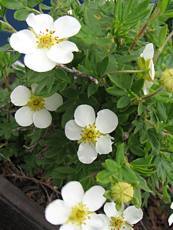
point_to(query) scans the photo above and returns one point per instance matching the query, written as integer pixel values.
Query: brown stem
(152, 94)
(78, 73)
(41, 183)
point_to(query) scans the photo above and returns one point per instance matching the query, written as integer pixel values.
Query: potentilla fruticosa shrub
(86, 100)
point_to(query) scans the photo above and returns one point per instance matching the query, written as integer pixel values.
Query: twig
(142, 224)
(78, 73)
(41, 183)
(163, 46)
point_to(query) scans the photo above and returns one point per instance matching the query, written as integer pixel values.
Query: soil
(43, 191)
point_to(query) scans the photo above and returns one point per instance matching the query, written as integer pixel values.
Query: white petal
(105, 221)
(94, 198)
(86, 153)
(72, 193)
(84, 115)
(57, 212)
(148, 52)
(24, 116)
(152, 70)
(39, 62)
(42, 119)
(66, 26)
(170, 219)
(40, 22)
(106, 121)
(94, 222)
(133, 215)
(62, 53)
(53, 102)
(20, 95)
(23, 41)
(72, 130)
(171, 205)
(104, 145)
(147, 86)
(110, 209)
(69, 227)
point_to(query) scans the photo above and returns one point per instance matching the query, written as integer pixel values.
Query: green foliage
(112, 37)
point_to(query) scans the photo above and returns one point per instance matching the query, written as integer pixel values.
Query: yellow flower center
(36, 103)
(116, 223)
(79, 214)
(47, 40)
(90, 134)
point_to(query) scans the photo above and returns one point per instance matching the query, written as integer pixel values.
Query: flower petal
(94, 198)
(57, 212)
(104, 145)
(69, 227)
(152, 70)
(72, 130)
(39, 62)
(110, 209)
(86, 153)
(171, 205)
(72, 193)
(24, 116)
(94, 221)
(62, 53)
(133, 215)
(147, 86)
(170, 219)
(105, 221)
(66, 26)
(106, 121)
(53, 102)
(84, 115)
(148, 52)
(40, 22)
(20, 95)
(23, 41)
(42, 119)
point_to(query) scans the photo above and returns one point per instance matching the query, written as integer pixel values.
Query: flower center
(116, 223)
(36, 103)
(47, 40)
(90, 134)
(79, 214)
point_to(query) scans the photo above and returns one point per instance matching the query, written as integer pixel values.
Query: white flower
(77, 209)
(35, 109)
(121, 220)
(46, 43)
(147, 55)
(91, 132)
(170, 219)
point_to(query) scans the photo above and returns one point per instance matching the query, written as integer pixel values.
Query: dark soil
(43, 191)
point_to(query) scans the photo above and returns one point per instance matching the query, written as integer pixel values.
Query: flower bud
(167, 79)
(122, 192)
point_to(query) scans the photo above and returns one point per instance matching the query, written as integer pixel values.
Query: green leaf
(13, 4)
(104, 177)
(153, 138)
(120, 153)
(102, 66)
(123, 102)
(92, 89)
(115, 91)
(162, 5)
(123, 81)
(21, 14)
(33, 3)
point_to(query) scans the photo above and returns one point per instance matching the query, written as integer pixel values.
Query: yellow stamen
(47, 40)
(116, 223)
(36, 103)
(90, 134)
(79, 214)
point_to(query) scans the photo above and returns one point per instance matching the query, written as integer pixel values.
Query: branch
(78, 73)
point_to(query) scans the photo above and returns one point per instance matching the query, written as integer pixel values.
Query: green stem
(128, 71)
(33, 10)
(152, 94)
(160, 50)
